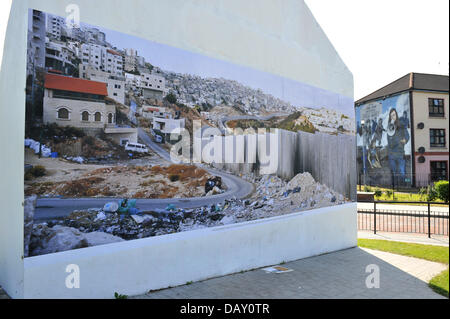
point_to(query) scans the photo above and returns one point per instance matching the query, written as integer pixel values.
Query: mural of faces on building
(384, 141)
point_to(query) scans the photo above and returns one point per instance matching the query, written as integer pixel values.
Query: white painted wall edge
(135, 267)
(12, 134)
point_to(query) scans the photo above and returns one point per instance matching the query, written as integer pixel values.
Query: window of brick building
(436, 107)
(437, 137)
(439, 171)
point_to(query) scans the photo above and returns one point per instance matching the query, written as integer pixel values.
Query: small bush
(367, 189)
(441, 189)
(431, 194)
(388, 193)
(89, 140)
(174, 177)
(423, 192)
(28, 176)
(378, 193)
(171, 98)
(120, 296)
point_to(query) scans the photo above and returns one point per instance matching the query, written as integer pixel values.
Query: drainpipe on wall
(413, 144)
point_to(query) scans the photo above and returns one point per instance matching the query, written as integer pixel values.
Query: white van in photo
(136, 147)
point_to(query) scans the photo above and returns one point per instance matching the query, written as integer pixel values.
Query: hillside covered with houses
(77, 78)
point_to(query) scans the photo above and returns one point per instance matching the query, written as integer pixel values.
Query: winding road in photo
(54, 208)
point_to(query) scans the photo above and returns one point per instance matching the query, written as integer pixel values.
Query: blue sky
(173, 59)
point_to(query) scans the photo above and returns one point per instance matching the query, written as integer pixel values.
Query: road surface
(157, 148)
(51, 208)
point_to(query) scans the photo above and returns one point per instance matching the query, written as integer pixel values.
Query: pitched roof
(432, 82)
(411, 81)
(65, 83)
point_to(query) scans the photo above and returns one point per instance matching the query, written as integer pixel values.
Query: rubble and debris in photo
(117, 221)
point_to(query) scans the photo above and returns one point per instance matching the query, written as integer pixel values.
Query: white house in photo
(166, 124)
(94, 35)
(76, 102)
(59, 56)
(150, 111)
(55, 26)
(36, 41)
(81, 103)
(153, 86)
(114, 84)
(130, 60)
(101, 58)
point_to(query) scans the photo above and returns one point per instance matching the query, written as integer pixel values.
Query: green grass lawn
(439, 283)
(403, 197)
(400, 196)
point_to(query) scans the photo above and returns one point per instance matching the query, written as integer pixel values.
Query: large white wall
(276, 36)
(137, 266)
(12, 131)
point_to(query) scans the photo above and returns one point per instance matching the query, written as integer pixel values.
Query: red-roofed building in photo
(149, 112)
(81, 103)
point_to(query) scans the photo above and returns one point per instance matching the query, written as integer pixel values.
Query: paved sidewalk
(336, 275)
(407, 238)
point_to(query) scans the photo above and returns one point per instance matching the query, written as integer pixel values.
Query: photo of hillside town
(100, 123)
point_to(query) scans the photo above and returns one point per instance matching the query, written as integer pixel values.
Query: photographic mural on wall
(105, 110)
(384, 141)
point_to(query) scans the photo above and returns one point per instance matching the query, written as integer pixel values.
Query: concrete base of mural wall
(137, 266)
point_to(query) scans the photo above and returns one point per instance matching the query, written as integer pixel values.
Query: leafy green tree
(171, 98)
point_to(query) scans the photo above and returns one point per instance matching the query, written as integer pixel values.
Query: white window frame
(101, 117)
(81, 116)
(112, 118)
(57, 113)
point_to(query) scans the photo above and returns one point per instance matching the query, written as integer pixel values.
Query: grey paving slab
(336, 275)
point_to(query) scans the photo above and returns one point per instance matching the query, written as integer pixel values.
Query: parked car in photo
(158, 138)
(136, 147)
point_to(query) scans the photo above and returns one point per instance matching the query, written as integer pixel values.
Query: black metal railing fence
(431, 218)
